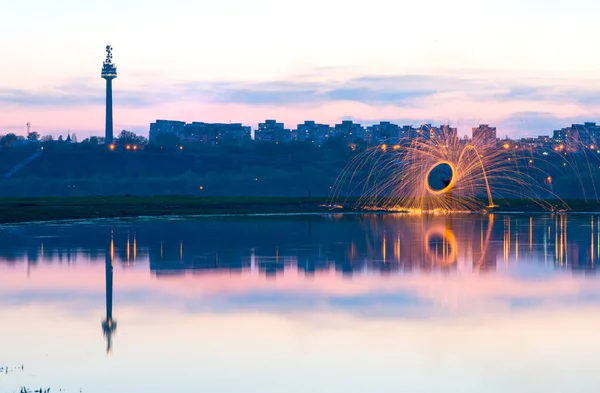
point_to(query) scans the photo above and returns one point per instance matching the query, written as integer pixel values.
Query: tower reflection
(109, 326)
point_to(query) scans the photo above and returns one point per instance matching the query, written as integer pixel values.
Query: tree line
(125, 137)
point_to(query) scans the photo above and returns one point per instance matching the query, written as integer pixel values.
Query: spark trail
(442, 173)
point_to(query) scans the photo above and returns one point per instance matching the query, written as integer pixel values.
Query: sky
(526, 67)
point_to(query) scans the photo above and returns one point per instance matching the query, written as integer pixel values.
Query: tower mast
(109, 72)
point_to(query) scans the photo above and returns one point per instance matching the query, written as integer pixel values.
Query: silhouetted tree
(74, 138)
(93, 140)
(60, 138)
(33, 136)
(129, 137)
(47, 138)
(8, 139)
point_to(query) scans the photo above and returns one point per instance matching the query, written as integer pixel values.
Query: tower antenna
(28, 128)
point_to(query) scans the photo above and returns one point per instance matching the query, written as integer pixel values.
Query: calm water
(364, 303)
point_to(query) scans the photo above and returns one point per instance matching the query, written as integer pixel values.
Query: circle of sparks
(449, 246)
(395, 176)
(450, 184)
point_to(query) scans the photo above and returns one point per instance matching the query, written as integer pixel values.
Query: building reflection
(349, 245)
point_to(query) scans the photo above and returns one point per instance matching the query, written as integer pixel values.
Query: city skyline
(517, 72)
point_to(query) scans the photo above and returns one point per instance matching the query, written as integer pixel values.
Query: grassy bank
(568, 205)
(43, 209)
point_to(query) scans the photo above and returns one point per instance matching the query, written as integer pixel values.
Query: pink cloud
(463, 101)
(466, 291)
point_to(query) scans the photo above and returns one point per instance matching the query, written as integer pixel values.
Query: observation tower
(109, 72)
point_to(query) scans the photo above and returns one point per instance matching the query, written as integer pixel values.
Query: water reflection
(109, 325)
(247, 294)
(347, 244)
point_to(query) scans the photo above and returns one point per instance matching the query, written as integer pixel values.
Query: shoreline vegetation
(18, 210)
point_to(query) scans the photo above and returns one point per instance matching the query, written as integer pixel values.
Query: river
(302, 303)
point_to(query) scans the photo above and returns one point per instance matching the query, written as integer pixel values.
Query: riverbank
(14, 210)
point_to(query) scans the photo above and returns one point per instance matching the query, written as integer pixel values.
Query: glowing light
(436, 175)
(397, 248)
(111, 147)
(135, 147)
(506, 146)
(201, 187)
(530, 233)
(127, 147)
(112, 250)
(180, 147)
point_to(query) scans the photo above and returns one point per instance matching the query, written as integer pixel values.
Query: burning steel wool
(442, 173)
